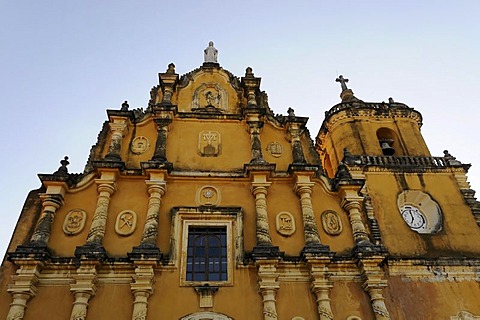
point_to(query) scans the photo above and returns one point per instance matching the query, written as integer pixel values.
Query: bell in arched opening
(387, 147)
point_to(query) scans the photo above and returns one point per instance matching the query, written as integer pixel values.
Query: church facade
(207, 205)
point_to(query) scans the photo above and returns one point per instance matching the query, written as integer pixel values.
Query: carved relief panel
(285, 223)
(140, 145)
(275, 149)
(464, 315)
(209, 143)
(331, 223)
(126, 223)
(208, 196)
(74, 221)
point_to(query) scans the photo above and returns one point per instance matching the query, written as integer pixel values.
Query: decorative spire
(210, 53)
(63, 171)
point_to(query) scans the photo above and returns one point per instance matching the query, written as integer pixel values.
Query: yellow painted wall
(460, 235)
(51, 302)
(419, 300)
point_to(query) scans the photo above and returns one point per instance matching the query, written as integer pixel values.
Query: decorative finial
(249, 73)
(125, 106)
(390, 100)
(171, 68)
(343, 82)
(62, 171)
(210, 53)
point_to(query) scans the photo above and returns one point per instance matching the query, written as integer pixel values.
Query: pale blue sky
(63, 63)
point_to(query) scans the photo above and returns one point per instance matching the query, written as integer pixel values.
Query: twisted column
(96, 233)
(259, 190)
(268, 287)
(161, 144)
(257, 155)
(50, 204)
(304, 191)
(354, 207)
(297, 150)
(156, 189)
(118, 131)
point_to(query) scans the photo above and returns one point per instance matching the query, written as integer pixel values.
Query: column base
(91, 251)
(365, 248)
(316, 250)
(145, 251)
(34, 250)
(266, 251)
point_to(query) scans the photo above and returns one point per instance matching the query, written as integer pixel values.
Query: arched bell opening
(388, 142)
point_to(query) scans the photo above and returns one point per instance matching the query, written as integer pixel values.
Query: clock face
(413, 217)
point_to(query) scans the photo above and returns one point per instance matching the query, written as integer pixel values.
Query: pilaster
(268, 286)
(106, 186)
(296, 127)
(24, 287)
(168, 81)
(321, 286)
(142, 288)
(156, 187)
(160, 154)
(264, 247)
(119, 121)
(304, 188)
(373, 284)
(83, 289)
(353, 203)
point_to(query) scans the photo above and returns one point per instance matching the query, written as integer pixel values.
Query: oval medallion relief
(74, 221)
(126, 223)
(331, 223)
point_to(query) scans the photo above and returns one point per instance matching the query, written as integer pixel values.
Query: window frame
(231, 218)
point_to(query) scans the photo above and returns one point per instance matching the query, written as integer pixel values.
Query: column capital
(303, 187)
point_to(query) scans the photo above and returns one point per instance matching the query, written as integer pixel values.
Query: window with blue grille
(207, 254)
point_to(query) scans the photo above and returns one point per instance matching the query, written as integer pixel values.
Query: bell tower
(368, 128)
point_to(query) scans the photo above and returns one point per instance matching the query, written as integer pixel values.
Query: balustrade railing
(402, 161)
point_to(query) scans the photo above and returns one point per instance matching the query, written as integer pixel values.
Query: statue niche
(210, 97)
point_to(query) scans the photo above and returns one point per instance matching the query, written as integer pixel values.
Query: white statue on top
(210, 53)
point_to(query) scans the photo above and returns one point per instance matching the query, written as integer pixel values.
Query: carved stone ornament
(208, 196)
(275, 149)
(331, 223)
(140, 145)
(74, 221)
(209, 143)
(126, 223)
(210, 96)
(285, 223)
(464, 315)
(353, 318)
(206, 316)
